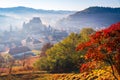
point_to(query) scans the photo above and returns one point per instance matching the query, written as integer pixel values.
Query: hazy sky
(59, 4)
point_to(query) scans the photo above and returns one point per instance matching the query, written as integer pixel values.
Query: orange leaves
(112, 28)
(96, 35)
(80, 47)
(106, 41)
(83, 45)
(88, 66)
(94, 55)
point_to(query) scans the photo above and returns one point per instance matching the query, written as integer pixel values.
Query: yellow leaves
(98, 74)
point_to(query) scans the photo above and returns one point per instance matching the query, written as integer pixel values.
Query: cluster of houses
(32, 36)
(16, 50)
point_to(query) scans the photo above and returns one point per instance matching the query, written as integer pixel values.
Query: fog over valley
(16, 16)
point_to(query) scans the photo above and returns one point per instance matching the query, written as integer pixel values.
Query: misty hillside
(6, 21)
(17, 15)
(95, 17)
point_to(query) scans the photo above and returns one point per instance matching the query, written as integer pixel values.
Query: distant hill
(95, 17)
(22, 10)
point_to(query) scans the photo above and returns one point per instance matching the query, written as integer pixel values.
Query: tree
(104, 46)
(85, 32)
(63, 57)
(44, 49)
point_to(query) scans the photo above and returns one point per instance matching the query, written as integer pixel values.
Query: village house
(21, 52)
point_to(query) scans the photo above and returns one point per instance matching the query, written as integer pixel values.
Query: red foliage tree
(104, 46)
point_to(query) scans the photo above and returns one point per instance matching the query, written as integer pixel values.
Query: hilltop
(95, 17)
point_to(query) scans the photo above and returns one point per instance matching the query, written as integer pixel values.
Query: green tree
(85, 32)
(63, 57)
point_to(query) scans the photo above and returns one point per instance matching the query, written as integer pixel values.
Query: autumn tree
(104, 46)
